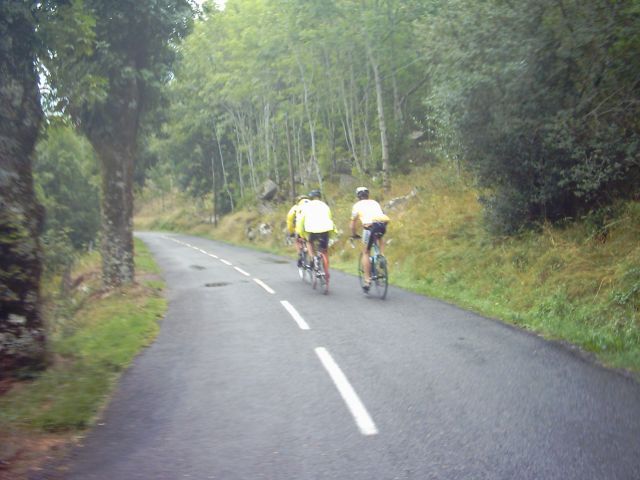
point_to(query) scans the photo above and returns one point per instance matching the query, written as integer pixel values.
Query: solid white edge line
(356, 407)
(296, 316)
(264, 285)
(246, 274)
(212, 255)
(226, 262)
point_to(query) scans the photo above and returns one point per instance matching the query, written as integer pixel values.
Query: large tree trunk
(117, 163)
(114, 138)
(22, 337)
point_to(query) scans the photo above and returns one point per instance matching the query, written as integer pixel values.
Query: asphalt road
(241, 384)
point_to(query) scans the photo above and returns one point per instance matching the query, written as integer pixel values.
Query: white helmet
(362, 192)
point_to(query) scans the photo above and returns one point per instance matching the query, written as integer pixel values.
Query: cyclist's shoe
(365, 287)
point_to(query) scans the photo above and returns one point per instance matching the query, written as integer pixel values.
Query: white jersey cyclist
(374, 226)
(368, 211)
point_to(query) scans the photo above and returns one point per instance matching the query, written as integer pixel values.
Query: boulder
(265, 229)
(268, 190)
(396, 202)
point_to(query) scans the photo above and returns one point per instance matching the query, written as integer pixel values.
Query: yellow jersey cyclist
(374, 224)
(316, 224)
(293, 219)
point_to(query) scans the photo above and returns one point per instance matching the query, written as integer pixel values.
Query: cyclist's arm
(300, 227)
(354, 221)
(290, 219)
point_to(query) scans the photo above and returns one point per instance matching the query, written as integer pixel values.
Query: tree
(543, 98)
(108, 89)
(22, 338)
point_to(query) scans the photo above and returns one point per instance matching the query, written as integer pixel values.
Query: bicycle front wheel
(380, 282)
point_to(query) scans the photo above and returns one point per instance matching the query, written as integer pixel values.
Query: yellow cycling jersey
(316, 218)
(294, 215)
(368, 211)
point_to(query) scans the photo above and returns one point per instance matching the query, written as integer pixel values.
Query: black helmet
(315, 194)
(362, 192)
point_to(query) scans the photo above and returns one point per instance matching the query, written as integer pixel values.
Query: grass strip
(90, 348)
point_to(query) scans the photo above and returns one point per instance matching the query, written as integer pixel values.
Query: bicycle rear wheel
(319, 275)
(380, 282)
(324, 272)
(303, 272)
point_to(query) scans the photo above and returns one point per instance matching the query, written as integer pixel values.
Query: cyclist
(293, 218)
(374, 224)
(316, 224)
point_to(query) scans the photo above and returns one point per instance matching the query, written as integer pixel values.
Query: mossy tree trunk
(115, 143)
(22, 337)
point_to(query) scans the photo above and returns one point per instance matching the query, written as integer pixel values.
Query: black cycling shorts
(321, 238)
(375, 230)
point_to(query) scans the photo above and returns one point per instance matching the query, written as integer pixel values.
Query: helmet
(314, 194)
(362, 192)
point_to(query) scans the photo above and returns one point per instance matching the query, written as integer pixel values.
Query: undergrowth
(93, 336)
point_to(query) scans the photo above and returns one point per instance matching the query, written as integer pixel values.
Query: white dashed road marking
(246, 274)
(355, 405)
(264, 285)
(296, 316)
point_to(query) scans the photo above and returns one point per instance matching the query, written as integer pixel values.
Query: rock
(17, 319)
(396, 202)
(268, 190)
(417, 135)
(264, 229)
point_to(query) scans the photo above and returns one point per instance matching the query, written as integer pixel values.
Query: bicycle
(320, 272)
(379, 272)
(313, 269)
(305, 269)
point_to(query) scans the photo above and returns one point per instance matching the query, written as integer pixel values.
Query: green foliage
(282, 89)
(58, 251)
(544, 102)
(67, 182)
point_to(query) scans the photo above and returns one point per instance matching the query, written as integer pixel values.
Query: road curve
(254, 375)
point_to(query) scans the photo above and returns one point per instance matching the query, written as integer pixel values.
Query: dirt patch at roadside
(22, 454)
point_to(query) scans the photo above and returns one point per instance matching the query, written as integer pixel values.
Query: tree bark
(117, 165)
(224, 171)
(292, 179)
(381, 121)
(113, 133)
(22, 333)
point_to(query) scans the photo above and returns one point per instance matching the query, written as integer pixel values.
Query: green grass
(90, 348)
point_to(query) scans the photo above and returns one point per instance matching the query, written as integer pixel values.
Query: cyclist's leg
(366, 261)
(380, 237)
(323, 247)
(299, 248)
(311, 245)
